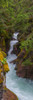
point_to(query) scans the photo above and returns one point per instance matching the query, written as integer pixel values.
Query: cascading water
(23, 88)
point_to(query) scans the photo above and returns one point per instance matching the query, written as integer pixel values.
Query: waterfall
(23, 88)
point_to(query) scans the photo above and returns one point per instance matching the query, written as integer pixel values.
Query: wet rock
(25, 71)
(12, 52)
(8, 95)
(15, 68)
(1, 91)
(16, 48)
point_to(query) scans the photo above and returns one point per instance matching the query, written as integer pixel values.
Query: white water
(23, 88)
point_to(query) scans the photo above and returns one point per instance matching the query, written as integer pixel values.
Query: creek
(23, 88)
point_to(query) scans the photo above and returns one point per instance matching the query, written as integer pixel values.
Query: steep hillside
(17, 15)
(24, 48)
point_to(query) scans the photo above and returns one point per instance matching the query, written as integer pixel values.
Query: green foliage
(27, 62)
(17, 15)
(6, 18)
(24, 11)
(27, 44)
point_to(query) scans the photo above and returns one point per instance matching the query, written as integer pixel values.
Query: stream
(23, 88)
